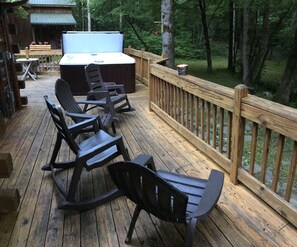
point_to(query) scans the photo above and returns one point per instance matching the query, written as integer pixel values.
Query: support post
(5, 165)
(238, 125)
(150, 86)
(9, 198)
(141, 64)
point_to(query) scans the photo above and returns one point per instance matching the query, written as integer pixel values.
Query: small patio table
(28, 69)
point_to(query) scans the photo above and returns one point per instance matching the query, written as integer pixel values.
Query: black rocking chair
(117, 95)
(168, 196)
(73, 110)
(91, 153)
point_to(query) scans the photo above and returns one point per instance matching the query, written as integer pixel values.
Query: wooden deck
(240, 219)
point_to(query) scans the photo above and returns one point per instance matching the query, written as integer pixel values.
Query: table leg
(29, 72)
(26, 68)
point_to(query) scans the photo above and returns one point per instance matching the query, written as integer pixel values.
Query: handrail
(253, 139)
(143, 60)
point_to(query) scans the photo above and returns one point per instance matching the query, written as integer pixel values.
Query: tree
(245, 43)
(206, 36)
(290, 73)
(167, 35)
(262, 22)
(231, 54)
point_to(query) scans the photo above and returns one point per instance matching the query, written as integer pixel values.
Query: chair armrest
(98, 94)
(112, 141)
(145, 160)
(211, 194)
(85, 117)
(118, 87)
(78, 127)
(92, 102)
(109, 83)
(80, 115)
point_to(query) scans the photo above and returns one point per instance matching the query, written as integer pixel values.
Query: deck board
(240, 219)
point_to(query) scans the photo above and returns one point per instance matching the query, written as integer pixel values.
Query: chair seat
(107, 153)
(192, 187)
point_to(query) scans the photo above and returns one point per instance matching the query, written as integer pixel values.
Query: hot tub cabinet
(82, 48)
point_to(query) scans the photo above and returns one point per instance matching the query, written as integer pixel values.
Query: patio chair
(94, 152)
(73, 110)
(168, 196)
(118, 97)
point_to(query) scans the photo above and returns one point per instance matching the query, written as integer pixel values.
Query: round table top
(25, 60)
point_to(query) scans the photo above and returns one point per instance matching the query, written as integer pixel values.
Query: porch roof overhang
(52, 19)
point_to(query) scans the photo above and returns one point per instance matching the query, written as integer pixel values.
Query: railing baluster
(174, 103)
(208, 122)
(202, 118)
(182, 108)
(179, 105)
(253, 148)
(214, 126)
(229, 135)
(197, 115)
(191, 113)
(292, 172)
(187, 110)
(267, 139)
(221, 144)
(278, 161)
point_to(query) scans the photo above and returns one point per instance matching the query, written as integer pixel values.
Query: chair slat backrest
(59, 121)
(65, 97)
(152, 193)
(94, 77)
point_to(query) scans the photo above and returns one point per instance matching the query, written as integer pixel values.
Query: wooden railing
(143, 60)
(253, 139)
(48, 59)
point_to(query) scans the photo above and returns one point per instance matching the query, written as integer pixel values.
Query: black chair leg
(191, 227)
(58, 143)
(113, 128)
(132, 224)
(74, 182)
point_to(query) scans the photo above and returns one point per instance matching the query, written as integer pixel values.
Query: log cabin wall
(10, 99)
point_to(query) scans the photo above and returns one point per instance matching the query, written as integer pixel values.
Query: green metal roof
(57, 3)
(52, 19)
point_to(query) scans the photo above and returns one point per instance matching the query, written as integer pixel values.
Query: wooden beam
(5, 165)
(9, 200)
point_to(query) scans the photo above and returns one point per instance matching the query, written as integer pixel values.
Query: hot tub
(103, 48)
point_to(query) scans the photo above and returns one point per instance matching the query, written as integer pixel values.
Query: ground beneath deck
(240, 219)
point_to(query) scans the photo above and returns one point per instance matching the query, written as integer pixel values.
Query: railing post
(141, 64)
(238, 125)
(150, 87)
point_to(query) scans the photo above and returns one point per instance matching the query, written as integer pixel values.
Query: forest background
(238, 41)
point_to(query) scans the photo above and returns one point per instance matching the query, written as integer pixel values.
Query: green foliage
(21, 12)
(220, 74)
(185, 48)
(153, 42)
(141, 31)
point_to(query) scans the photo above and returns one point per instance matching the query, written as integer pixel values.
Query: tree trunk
(245, 46)
(283, 93)
(167, 35)
(262, 48)
(231, 56)
(206, 37)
